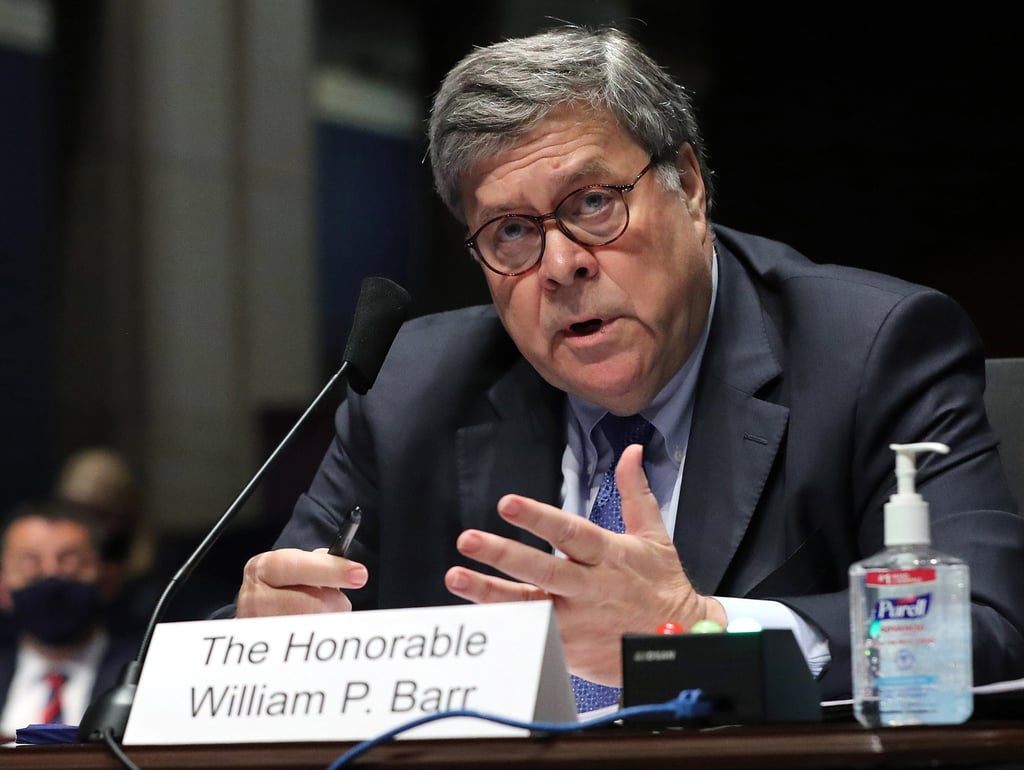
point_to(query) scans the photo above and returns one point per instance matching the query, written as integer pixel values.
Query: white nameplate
(351, 676)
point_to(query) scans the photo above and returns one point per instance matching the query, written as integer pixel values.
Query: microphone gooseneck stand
(380, 311)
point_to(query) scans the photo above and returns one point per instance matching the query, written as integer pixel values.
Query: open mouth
(583, 328)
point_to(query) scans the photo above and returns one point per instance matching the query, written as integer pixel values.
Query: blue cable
(688, 705)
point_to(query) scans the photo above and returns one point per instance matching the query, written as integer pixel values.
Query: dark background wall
(887, 137)
(881, 135)
(27, 269)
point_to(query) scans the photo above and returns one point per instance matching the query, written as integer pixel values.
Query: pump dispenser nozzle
(910, 617)
(906, 513)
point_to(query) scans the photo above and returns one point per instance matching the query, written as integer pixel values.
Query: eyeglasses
(595, 215)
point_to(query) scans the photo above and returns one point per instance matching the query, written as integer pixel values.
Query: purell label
(904, 608)
(900, 577)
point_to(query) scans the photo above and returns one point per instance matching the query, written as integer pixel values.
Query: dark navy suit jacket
(120, 650)
(810, 372)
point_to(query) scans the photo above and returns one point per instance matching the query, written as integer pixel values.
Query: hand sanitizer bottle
(910, 618)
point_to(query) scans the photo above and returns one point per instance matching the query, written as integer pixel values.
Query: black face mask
(56, 610)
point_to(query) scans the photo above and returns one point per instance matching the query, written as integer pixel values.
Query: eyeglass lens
(592, 216)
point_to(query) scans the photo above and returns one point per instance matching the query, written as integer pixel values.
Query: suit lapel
(734, 437)
(516, 448)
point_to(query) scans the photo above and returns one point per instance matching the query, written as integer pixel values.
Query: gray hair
(496, 94)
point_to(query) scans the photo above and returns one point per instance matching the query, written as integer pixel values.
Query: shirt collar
(86, 658)
(669, 410)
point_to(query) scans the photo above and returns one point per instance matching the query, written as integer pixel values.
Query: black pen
(346, 533)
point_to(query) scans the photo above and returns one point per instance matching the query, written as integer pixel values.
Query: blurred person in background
(102, 480)
(137, 559)
(62, 654)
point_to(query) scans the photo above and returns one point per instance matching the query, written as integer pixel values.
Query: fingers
(609, 585)
(260, 601)
(640, 510)
(486, 589)
(290, 581)
(543, 571)
(292, 566)
(583, 542)
(578, 538)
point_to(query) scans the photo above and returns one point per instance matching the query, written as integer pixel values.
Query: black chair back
(1004, 402)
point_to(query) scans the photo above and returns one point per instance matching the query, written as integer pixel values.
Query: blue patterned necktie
(607, 512)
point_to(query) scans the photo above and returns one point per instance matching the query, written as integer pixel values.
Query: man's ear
(691, 181)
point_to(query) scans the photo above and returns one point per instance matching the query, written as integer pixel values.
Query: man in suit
(50, 595)
(774, 385)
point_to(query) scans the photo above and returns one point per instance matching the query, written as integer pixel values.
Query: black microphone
(381, 309)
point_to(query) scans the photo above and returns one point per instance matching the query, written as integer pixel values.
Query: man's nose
(50, 565)
(565, 260)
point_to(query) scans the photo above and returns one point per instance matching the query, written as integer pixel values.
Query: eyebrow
(590, 169)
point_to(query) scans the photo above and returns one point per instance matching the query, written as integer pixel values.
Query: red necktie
(53, 711)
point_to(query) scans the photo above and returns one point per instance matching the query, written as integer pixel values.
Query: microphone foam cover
(380, 311)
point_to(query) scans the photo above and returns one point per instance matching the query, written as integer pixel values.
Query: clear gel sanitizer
(910, 617)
